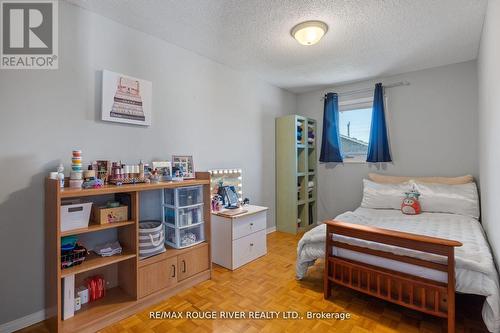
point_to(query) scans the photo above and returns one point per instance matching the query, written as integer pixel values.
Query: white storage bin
(184, 237)
(182, 217)
(184, 196)
(75, 215)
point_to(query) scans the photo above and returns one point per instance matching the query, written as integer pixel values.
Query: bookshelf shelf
(94, 261)
(96, 228)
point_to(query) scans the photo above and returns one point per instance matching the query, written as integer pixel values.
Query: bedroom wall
(223, 117)
(432, 125)
(489, 125)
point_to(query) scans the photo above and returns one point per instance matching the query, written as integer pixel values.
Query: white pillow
(456, 199)
(383, 196)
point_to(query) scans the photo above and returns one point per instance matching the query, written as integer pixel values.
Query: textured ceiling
(366, 38)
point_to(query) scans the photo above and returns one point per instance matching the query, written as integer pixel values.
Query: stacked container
(182, 212)
(76, 177)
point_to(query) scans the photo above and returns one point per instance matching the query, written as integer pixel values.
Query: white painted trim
(23, 322)
(270, 230)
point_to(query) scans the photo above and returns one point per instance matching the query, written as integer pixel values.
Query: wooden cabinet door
(192, 262)
(157, 276)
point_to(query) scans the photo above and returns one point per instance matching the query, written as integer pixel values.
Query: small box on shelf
(104, 214)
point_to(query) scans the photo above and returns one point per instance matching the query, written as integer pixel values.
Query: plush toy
(411, 205)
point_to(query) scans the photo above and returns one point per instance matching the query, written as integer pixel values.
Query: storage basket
(151, 238)
(75, 215)
(73, 257)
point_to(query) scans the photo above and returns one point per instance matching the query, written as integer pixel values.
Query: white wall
(223, 117)
(432, 125)
(489, 125)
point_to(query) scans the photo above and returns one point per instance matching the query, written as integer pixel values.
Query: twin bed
(417, 261)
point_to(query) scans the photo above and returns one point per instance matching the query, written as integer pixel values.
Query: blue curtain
(330, 142)
(378, 146)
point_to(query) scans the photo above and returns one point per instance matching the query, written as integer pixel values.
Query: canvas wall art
(126, 99)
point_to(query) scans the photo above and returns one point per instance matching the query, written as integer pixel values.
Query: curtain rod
(390, 85)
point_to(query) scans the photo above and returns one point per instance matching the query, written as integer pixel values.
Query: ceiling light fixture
(309, 32)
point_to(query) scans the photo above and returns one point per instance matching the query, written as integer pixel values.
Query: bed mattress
(475, 271)
(428, 273)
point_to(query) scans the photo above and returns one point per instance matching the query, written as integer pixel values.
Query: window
(355, 119)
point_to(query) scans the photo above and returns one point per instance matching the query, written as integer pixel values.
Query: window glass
(354, 126)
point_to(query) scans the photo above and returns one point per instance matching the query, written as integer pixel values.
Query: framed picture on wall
(126, 99)
(184, 163)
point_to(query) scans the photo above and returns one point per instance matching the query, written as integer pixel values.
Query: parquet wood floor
(268, 284)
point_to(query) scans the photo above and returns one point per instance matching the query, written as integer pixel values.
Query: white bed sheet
(475, 271)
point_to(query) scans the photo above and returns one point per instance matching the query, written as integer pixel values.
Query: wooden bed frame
(414, 292)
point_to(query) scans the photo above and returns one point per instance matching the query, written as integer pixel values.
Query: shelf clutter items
(76, 175)
(108, 249)
(72, 254)
(310, 133)
(92, 289)
(300, 131)
(310, 189)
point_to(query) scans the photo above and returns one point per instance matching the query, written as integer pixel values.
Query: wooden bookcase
(135, 284)
(296, 167)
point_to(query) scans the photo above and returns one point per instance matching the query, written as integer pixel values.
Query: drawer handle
(173, 266)
(184, 266)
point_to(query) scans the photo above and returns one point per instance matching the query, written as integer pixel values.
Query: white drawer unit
(249, 248)
(239, 239)
(249, 224)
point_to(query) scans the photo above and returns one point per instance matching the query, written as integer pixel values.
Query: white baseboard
(270, 230)
(23, 322)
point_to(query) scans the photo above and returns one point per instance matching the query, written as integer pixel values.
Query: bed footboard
(428, 296)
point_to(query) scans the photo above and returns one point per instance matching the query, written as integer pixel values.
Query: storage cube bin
(75, 215)
(184, 196)
(151, 238)
(182, 217)
(184, 237)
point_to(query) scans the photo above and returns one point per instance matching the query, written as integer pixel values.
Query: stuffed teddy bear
(411, 205)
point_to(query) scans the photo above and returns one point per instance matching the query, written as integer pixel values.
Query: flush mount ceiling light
(309, 32)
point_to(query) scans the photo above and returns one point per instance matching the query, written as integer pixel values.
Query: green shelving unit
(296, 176)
